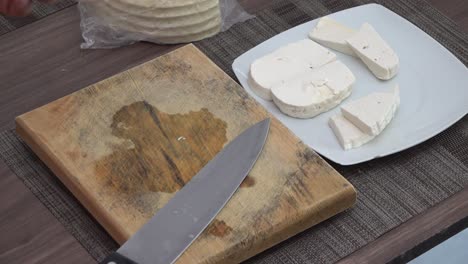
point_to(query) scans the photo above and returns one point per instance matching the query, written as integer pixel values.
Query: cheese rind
(285, 63)
(314, 92)
(372, 113)
(348, 134)
(378, 56)
(333, 35)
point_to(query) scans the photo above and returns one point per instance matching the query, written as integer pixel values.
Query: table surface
(43, 60)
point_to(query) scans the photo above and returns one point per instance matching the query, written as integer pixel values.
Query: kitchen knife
(175, 226)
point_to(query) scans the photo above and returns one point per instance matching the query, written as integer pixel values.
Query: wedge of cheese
(372, 113)
(314, 92)
(333, 35)
(378, 56)
(285, 63)
(362, 120)
(348, 134)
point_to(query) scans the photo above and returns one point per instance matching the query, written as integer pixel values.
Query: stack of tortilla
(161, 21)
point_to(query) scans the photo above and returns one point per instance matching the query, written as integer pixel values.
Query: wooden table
(42, 62)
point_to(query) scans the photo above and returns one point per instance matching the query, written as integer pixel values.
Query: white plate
(433, 85)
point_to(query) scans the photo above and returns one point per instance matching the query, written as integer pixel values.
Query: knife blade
(175, 226)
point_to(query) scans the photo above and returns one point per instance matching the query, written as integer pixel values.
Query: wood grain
(21, 241)
(43, 58)
(125, 145)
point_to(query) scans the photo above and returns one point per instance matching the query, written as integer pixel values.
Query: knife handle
(116, 258)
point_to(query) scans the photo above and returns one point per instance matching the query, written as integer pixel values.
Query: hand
(17, 7)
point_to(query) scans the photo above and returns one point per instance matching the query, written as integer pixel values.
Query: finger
(4, 6)
(18, 7)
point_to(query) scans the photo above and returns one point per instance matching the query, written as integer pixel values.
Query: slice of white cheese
(379, 57)
(372, 113)
(348, 134)
(285, 63)
(314, 92)
(333, 35)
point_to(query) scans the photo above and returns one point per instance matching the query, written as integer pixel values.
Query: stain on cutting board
(150, 160)
(219, 228)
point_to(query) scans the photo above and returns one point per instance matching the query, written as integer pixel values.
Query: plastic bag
(116, 23)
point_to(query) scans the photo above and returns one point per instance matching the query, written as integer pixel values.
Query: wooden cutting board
(125, 145)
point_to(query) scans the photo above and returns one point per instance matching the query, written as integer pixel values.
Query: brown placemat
(391, 189)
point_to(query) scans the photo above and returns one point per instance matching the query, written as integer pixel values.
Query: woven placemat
(391, 189)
